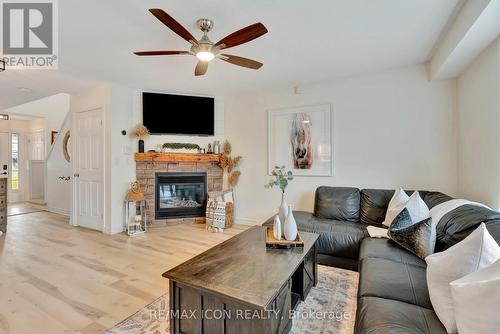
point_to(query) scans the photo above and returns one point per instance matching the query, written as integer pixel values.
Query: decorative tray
(272, 242)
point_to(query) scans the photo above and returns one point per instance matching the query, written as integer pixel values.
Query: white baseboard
(58, 211)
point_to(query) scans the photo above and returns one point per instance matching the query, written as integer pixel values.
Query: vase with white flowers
(285, 215)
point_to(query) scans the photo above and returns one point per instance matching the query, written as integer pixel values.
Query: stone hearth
(147, 164)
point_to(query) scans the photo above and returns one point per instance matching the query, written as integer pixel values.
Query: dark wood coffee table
(239, 286)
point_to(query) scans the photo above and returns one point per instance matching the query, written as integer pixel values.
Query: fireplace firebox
(180, 195)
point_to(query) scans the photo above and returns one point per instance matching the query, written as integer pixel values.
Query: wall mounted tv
(178, 114)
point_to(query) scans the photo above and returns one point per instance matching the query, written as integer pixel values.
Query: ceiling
(308, 41)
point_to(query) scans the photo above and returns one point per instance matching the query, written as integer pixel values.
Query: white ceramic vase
(290, 226)
(283, 212)
(277, 228)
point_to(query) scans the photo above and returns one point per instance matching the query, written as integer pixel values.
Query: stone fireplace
(176, 185)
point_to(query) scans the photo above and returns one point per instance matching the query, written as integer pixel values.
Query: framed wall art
(300, 138)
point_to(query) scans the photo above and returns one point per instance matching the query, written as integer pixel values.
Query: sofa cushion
(337, 238)
(337, 203)
(373, 206)
(377, 315)
(393, 280)
(433, 198)
(457, 224)
(374, 203)
(389, 250)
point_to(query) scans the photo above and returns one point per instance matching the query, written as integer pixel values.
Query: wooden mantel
(176, 157)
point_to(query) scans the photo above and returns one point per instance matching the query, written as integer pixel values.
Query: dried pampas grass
(224, 161)
(226, 148)
(237, 160)
(229, 163)
(233, 178)
(141, 131)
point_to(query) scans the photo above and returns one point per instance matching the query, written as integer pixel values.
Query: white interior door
(37, 179)
(36, 146)
(88, 167)
(4, 154)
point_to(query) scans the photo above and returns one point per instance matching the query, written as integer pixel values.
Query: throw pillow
(475, 252)
(417, 208)
(418, 238)
(476, 299)
(396, 205)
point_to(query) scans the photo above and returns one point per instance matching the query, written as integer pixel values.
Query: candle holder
(135, 211)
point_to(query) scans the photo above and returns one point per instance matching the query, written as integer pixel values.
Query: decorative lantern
(135, 219)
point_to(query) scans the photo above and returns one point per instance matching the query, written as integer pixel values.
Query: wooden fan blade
(242, 36)
(160, 53)
(201, 68)
(175, 26)
(240, 61)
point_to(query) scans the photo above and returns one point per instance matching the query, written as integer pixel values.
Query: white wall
(122, 163)
(153, 141)
(478, 128)
(58, 193)
(37, 124)
(52, 108)
(390, 129)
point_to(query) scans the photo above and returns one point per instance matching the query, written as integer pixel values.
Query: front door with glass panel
(14, 171)
(10, 144)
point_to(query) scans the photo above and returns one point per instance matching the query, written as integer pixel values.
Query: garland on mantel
(180, 146)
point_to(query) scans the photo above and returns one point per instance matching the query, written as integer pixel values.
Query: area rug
(330, 308)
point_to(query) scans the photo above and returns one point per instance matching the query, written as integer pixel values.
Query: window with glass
(15, 162)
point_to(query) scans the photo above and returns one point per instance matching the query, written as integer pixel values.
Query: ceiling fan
(204, 49)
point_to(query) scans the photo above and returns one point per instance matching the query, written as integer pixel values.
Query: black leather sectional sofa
(393, 295)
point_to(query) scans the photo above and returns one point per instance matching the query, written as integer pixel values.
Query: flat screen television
(178, 114)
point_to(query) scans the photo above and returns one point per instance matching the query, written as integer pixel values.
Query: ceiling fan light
(205, 55)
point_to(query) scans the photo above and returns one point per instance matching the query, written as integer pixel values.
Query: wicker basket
(229, 215)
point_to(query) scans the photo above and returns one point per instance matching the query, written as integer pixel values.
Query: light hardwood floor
(20, 208)
(55, 278)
